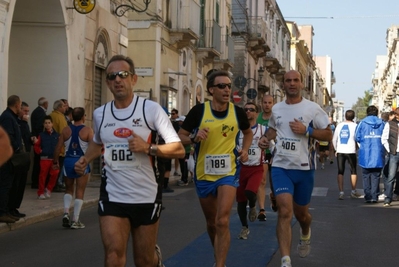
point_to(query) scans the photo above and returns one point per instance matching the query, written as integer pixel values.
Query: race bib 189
(217, 164)
(119, 157)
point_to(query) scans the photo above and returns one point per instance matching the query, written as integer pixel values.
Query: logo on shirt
(226, 129)
(136, 122)
(109, 125)
(209, 120)
(122, 132)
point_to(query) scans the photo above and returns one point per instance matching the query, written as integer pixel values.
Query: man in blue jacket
(371, 152)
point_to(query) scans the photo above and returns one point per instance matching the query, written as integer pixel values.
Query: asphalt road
(345, 233)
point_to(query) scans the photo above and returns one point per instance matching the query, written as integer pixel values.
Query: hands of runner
(81, 165)
(263, 142)
(298, 127)
(137, 144)
(202, 134)
(243, 155)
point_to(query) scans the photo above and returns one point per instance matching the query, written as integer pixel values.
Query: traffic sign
(240, 81)
(236, 96)
(252, 93)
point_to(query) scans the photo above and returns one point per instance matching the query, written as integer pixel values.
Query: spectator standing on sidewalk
(130, 199)
(371, 152)
(296, 122)
(345, 146)
(263, 119)
(75, 139)
(45, 146)
(36, 122)
(214, 127)
(174, 115)
(9, 122)
(21, 173)
(389, 140)
(59, 123)
(251, 172)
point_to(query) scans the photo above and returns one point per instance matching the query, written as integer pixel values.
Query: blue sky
(352, 39)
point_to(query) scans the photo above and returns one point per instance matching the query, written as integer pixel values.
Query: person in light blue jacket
(371, 152)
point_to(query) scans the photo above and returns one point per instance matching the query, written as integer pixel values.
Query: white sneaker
(322, 166)
(47, 193)
(41, 197)
(303, 247)
(341, 196)
(355, 194)
(286, 263)
(252, 215)
(244, 233)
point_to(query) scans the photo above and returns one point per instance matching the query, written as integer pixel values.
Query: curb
(40, 217)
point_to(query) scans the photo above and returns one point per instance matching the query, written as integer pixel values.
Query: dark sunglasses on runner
(249, 109)
(122, 74)
(222, 85)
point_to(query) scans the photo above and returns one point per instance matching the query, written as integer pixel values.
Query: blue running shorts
(298, 183)
(204, 188)
(69, 168)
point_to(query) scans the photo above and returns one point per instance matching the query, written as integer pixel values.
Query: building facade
(57, 50)
(176, 44)
(385, 78)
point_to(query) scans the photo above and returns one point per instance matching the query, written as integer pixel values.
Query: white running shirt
(129, 177)
(296, 151)
(344, 138)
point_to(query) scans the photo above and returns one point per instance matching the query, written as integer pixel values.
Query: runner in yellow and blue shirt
(214, 126)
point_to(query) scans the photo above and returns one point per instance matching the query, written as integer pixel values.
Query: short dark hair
(68, 111)
(175, 111)
(24, 104)
(48, 117)
(123, 58)
(78, 113)
(372, 111)
(350, 115)
(253, 104)
(212, 77)
(13, 100)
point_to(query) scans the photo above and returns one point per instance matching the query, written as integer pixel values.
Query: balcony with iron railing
(210, 42)
(258, 36)
(184, 22)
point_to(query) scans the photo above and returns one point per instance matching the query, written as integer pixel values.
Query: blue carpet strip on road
(256, 251)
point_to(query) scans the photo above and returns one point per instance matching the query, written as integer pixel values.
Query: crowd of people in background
(228, 152)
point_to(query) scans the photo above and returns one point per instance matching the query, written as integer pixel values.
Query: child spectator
(45, 146)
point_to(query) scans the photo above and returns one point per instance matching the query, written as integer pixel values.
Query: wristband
(309, 131)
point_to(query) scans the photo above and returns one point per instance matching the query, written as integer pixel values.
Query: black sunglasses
(222, 85)
(249, 109)
(122, 74)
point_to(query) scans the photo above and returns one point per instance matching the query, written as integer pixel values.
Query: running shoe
(252, 214)
(303, 247)
(395, 197)
(159, 254)
(244, 233)
(387, 204)
(355, 194)
(47, 193)
(286, 263)
(77, 225)
(322, 166)
(262, 215)
(65, 221)
(341, 196)
(41, 197)
(182, 183)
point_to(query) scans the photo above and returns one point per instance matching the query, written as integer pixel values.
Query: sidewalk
(41, 210)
